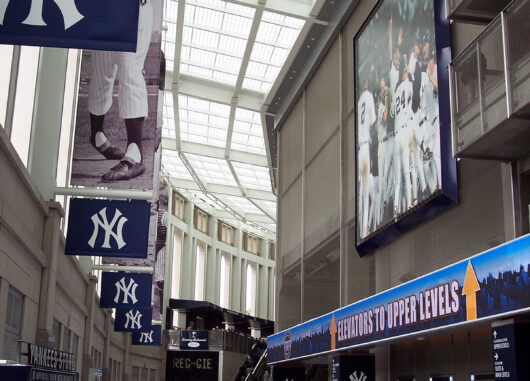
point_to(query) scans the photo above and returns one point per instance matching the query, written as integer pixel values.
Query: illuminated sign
(491, 284)
(51, 358)
(192, 365)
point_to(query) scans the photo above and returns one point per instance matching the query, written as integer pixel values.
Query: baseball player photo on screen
(116, 121)
(397, 114)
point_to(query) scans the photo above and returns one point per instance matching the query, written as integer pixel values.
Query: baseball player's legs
(382, 164)
(132, 95)
(100, 99)
(418, 178)
(132, 99)
(429, 165)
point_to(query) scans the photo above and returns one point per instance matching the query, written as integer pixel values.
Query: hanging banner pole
(136, 269)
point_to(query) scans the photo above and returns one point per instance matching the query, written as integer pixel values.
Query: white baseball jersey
(382, 126)
(403, 103)
(365, 116)
(412, 65)
(128, 68)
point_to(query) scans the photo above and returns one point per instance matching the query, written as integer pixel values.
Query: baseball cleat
(126, 169)
(108, 150)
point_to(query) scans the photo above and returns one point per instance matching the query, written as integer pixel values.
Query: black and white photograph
(397, 114)
(115, 135)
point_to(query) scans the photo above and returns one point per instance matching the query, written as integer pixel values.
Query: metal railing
(474, 11)
(259, 369)
(490, 79)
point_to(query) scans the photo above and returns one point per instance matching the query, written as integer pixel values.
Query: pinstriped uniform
(127, 68)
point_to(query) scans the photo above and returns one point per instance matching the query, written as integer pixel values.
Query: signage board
(132, 319)
(192, 366)
(194, 340)
(108, 228)
(51, 375)
(353, 368)
(151, 335)
(288, 373)
(50, 358)
(488, 285)
(125, 290)
(80, 24)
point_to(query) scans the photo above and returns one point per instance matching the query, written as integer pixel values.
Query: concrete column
(89, 326)
(51, 247)
(46, 128)
(4, 292)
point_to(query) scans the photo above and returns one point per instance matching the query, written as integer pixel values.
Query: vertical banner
(125, 290)
(108, 228)
(151, 335)
(156, 249)
(115, 135)
(132, 319)
(81, 24)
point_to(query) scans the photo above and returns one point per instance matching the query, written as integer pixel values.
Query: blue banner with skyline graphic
(495, 282)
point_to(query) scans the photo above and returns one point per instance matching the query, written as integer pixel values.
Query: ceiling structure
(225, 61)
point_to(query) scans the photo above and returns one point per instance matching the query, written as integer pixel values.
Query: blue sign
(487, 285)
(151, 335)
(194, 340)
(108, 228)
(80, 24)
(125, 290)
(132, 319)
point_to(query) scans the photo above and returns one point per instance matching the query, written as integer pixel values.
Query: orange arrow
(471, 286)
(333, 331)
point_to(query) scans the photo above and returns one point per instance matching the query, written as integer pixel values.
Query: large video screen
(399, 152)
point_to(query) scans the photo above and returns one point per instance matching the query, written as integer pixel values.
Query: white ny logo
(362, 377)
(127, 292)
(146, 337)
(134, 319)
(68, 9)
(104, 223)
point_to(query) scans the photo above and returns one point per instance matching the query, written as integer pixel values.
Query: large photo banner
(484, 287)
(116, 121)
(81, 24)
(405, 170)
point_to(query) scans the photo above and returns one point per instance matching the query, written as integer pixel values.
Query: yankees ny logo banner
(81, 24)
(152, 335)
(108, 228)
(125, 290)
(132, 319)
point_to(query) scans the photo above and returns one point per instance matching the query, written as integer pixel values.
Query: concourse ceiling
(225, 61)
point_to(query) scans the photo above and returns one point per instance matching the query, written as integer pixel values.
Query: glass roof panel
(240, 204)
(214, 39)
(211, 170)
(248, 132)
(253, 176)
(173, 164)
(203, 121)
(168, 124)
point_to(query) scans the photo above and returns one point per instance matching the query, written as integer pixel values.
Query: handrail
(258, 370)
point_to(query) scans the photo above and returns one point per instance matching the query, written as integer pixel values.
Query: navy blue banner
(486, 286)
(191, 340)
(149, 336)
(125, 290)
(108, 228)
(289, 374)
(132, 319)
(80, 24)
